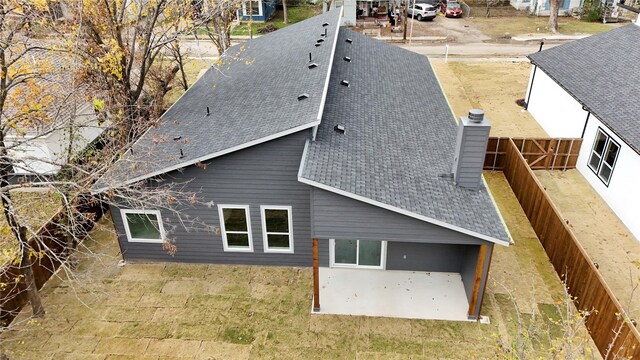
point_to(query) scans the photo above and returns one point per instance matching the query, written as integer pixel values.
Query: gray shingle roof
(400, 137)
(602, 72)
(252, 96)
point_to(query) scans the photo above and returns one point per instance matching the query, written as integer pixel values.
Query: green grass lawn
(296, 14)
(498, 26)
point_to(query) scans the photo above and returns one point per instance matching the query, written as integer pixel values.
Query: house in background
(42, 150)
(257, 10)
(588, 88)
(541, 7)
(333, 165)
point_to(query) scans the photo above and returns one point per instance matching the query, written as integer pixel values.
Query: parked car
(451, 9)
(422, 11)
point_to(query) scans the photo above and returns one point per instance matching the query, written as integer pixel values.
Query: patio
(399, 294)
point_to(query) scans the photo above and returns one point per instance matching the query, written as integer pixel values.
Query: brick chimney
(471, 147)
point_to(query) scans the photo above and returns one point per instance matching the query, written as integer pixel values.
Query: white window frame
(224, 232)
(601, 162)
(332, 256)
(264, 229)
(123, 214)
(246, 13)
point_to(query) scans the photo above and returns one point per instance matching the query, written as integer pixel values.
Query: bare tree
(121, 44)
(284, 10)
(217, 19)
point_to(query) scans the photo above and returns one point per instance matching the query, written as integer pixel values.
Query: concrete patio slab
(399, 294)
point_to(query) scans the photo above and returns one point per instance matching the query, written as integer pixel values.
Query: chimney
(471, 147)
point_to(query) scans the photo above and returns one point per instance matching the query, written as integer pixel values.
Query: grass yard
(498, 26)
(296, 14)
(193, 68)
(36, 208)
(493, 87)
(190, 311)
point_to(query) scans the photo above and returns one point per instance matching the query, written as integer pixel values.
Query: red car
(451, 9)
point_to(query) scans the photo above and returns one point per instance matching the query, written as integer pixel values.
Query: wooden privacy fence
(540, 153)
(52, 244)
(612, 333)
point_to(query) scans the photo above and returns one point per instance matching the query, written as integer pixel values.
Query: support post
(482, 256)
(316, 277)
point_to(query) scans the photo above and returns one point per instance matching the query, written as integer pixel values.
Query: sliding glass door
(358, 253)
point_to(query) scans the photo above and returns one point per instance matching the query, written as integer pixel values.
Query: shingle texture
(251, 95)
(400, 137)
(602, 72)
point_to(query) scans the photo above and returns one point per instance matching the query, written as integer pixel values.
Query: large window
(276, 228)
(256, 8)
(143, 225)
(358, 253)
(235, 226)
(603, 156)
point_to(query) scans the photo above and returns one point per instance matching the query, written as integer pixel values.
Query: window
(143, 225)
(256, 8)
(235, 227)
(358, 253)
(603, 156)
(276, 228)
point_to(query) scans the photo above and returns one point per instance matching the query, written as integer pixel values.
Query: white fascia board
(326, 81)
(403, 212)
(212, 155)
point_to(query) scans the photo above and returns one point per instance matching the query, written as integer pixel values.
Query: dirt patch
(493, 87)
(607, 241)
(499, 26)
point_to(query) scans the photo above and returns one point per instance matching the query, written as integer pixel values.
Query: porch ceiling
(387, 293)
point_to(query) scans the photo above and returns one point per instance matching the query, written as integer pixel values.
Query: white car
(422, 12)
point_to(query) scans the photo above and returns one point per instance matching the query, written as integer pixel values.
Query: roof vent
(181, 154)
(349, 41)
(208, 112)
(476, 115)
(325, 33)
(303, 96)
(318, 44)
(347, 59)
(325, 24)
(320, 40)
(176, 138)
(340, 129)
(344, 83)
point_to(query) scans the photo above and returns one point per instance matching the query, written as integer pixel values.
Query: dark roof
(398, 147)
(252, 97)
(602, 72)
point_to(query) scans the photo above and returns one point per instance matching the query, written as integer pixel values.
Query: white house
(588, 88)
(42, 150)
(541, 7)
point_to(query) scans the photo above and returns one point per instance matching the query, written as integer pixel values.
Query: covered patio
(389, 293)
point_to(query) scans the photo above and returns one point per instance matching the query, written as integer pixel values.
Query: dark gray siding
(264, 174)
(339, 217)
(425, 257)
(469, 271)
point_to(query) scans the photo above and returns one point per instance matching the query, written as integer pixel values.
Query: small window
(277, 229)
(256, 8)
(143, 225)
(604, 154)
(235, 227)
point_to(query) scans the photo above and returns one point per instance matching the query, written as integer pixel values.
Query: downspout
(585, 122)
(533, 78)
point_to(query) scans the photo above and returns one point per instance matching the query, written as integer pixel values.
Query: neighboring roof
(602, 73)
(398, 148)
(56, 82)
(252, 98)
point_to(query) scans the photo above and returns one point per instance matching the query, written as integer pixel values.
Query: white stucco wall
(559, 114)
(43, 155)
(623, 192)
